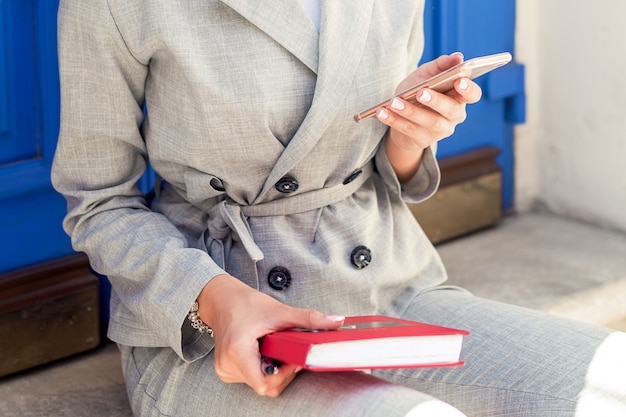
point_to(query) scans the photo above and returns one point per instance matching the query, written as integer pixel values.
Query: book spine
(285, 351)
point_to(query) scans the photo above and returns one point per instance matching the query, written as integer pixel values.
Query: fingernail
(335, 318)
(383, 114)
(463, 84)
(425, 96)
(397, 104)
(456, 53)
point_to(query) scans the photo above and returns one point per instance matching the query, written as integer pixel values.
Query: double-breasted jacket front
(245, 112)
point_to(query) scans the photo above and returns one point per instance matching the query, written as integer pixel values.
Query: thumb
(443, 63)
(430, 69)
(312, 319)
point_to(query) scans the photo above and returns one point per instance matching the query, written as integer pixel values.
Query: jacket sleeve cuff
(423, 184)
(195, 345)
(189, 343)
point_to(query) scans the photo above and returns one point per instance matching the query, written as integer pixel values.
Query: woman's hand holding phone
(431, 116)
(443, 80)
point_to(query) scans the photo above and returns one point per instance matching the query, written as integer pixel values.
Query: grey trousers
(519, 362)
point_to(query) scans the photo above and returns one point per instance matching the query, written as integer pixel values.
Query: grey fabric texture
(519, 363)
(239, 94)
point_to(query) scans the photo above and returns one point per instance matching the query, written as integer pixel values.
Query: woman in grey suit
(274, 209)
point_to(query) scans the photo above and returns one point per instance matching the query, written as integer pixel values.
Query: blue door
(30, 210)
(475, 28)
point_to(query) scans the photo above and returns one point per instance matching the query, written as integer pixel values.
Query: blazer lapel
(286, 22)
(344, 30)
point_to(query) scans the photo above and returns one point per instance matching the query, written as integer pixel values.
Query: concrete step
(539, 261)
(86, 385)
(545, 262)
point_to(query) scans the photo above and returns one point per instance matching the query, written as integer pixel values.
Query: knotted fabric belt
(228, 220)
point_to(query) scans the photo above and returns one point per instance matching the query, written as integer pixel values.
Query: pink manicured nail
(383, 114)
(425, 96)
(463, 84)
(335, 318)
(397, 104)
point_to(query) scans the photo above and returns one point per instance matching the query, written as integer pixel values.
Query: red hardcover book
(367, 342)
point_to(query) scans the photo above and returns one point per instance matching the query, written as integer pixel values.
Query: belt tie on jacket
(228, 221)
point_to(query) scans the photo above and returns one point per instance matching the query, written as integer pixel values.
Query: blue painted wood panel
(4, 80)
(30, 210)
(475, 28)
(18, 139)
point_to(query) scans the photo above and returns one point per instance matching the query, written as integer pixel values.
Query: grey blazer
(265, 174)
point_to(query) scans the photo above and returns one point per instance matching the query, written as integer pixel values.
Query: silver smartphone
(444, 81)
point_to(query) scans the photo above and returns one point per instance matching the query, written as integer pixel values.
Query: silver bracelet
(196, 321)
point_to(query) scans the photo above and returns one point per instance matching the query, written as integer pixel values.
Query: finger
(430, 69)
(250, 368)
(445, 62)
(450, 108)
(310, 319)
(467, 91)
(442, 63)
(236, 362)
(279, 381)
(272, 384)
(412, 135)
(422, 123)
(255, 375)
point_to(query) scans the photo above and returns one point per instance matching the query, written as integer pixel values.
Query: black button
(279, 278)
(361, 257)
(217, 185)
(287, 185)
(352, 176)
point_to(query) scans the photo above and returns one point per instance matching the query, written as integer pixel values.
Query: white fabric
(312, 7)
